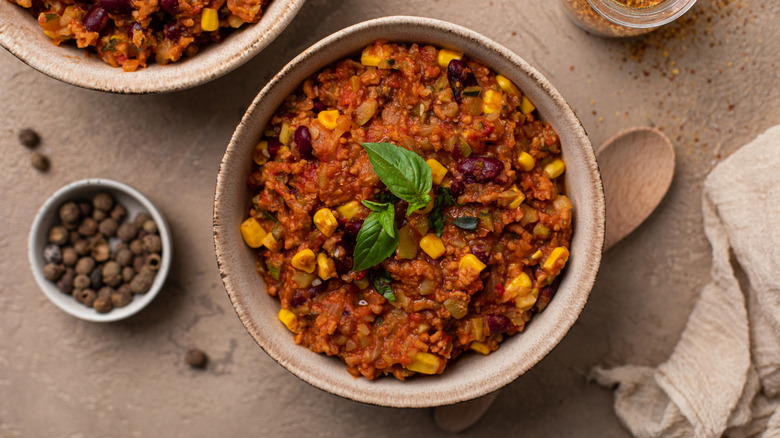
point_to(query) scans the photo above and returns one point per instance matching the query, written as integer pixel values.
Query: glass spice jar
(624, 18)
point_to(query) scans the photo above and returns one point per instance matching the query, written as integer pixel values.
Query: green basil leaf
(387, 197)
(436, 218)
(404, 173)
(373, 244)
(467, 223)
(381, 283)
(375, 206)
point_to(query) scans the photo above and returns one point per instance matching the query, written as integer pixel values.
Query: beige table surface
(710, 81)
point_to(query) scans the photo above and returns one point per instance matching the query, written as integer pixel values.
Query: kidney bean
(170, 6)
(482, 251)
(299, 298)
(95, 19)
(302, 138)
(135, 27)
(273, 146)
(460, 77)
(318, 106)
(344, 264)
(174, 31)
(547, 293)
(457, 188)
(400, 213)
(117, 6)
(498, 323)
(480, 169)
(349, 238)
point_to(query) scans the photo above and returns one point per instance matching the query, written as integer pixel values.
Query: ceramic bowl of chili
(21, 34)
(471, 376)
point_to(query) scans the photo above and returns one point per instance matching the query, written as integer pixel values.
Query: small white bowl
(48, 216)
(21, 35)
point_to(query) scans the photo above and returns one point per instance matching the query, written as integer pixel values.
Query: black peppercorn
(85, 207)
(69, 256)
(52, 271)
(84, 296)
(139, 262)
(127, 232)
(52, 254)
(65, 283)
(127, 274)
(108, 227)
(100, 250)
(102, 305)
(69, 213)
(141, 282)
(140, 219)
(39, 161)
(112, 273)
(103, 201)
(99, 215)
(137, 247)
(85, 265)
(152, 243)
(58, 235)
(196, 358)
(81, 247)
(81, 281)
(121, 298)
(118, 212)
(96, 278)
(88, 227)
(29, 138)
(150, 227)
(124, 257)
(105, 292)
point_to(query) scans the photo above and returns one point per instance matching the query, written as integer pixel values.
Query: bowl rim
(37, 240)
(421, 394)
(73, 67)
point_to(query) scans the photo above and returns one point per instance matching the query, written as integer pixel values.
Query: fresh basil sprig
(374, 244)
(436, 218)
(385, 214)
(381, 283)
(404, 173)
(467, 223)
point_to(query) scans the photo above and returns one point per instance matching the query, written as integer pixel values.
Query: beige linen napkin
(723, 377)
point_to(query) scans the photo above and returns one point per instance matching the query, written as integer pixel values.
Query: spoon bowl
(637, 167)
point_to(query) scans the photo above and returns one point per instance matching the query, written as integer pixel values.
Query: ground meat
(499, 211)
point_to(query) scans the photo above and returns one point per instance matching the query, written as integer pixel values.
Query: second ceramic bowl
(471, 376)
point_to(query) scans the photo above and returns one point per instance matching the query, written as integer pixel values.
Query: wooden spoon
(637, 166)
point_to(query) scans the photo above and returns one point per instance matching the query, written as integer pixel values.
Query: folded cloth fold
(724, 374)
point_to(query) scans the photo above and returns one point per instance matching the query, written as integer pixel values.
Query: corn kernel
(559, 253)
(271, 243)
(425, 363)
(209, 21)
(507, 85)
(471, 262)
(325, 221)
(326, 268)
(526, 107)
(304, 261)
(253, 232)
(235, 21)
(328, 118)
(261, 154)
(526, 161)
(528, 300)
(511, 198)
(285, 133)
(349, 210)
(491, 102)
(427, 209)
(369, 59)
(445, 56)
(289, 319)
(537, 255)
(555, 168)
(437, 170)
(480, 348)
(432, 245)
(519, 285)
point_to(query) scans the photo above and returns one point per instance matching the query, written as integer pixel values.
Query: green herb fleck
(381, 281)
(436, 218)
(270, 216)
(467, 223)
(404, 173)
(391, 61)
(274, 271)
(50, 17)
(110, 46)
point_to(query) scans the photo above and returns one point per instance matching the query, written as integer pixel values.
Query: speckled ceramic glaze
(470, 376)
(134, 202)
(21, 35)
